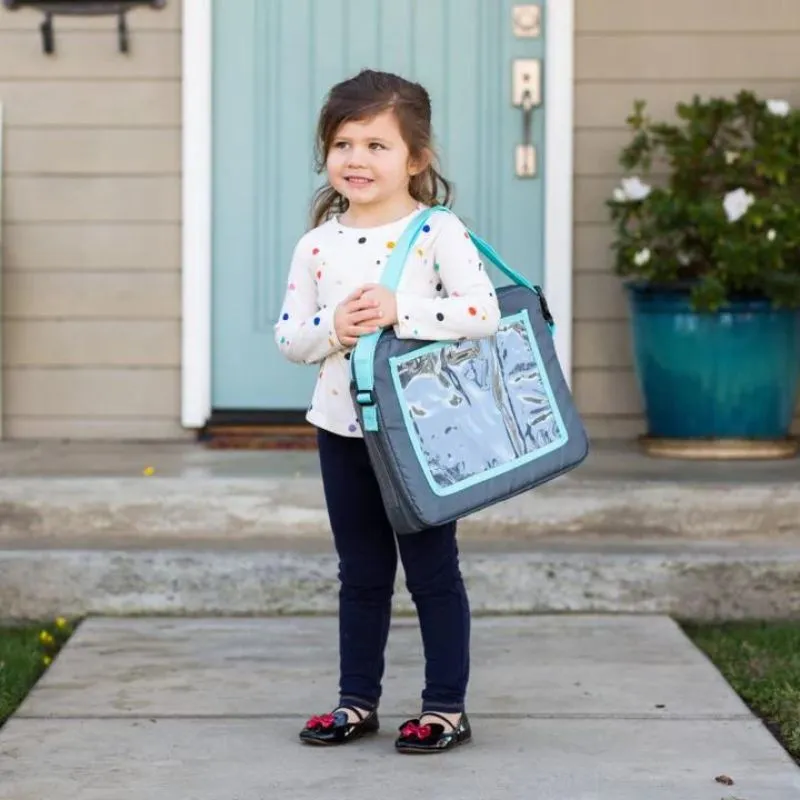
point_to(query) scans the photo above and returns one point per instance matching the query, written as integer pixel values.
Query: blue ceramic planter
(734, 374)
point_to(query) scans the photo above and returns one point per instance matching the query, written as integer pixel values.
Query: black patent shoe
(432, 737)
(335, 728)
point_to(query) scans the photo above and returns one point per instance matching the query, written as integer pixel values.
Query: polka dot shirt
(444, 294)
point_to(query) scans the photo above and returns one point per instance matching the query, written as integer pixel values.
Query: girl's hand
(385, 301)
(355, 316)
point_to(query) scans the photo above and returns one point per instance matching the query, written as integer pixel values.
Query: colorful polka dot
(426, 228)
(319, 274)
(316, 320)
(292, 287)
(420, 252)
(438, 287)
(440, 316)
(436, 267)
(315, 251)
(362, 240)
(466, 235)
(472, 311)
(347, 355)
(352, 428)
(390, 245)
(285, 317)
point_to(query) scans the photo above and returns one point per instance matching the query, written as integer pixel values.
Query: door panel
(273, 63)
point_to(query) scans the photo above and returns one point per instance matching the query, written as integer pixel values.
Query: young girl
(374, 142)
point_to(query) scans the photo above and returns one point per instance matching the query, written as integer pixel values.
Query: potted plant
(707, 226)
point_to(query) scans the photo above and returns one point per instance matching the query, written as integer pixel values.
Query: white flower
(780, 108)
(731, 157)
(642, 257)
(635, 189)
(684, 259)
(620, 196)
(771, 235)
(736, 204)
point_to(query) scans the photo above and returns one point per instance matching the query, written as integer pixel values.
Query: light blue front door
(274, 61)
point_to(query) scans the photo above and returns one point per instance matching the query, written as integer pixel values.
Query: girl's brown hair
(365, 96)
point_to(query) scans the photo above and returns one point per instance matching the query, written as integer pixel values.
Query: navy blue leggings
(367, 549)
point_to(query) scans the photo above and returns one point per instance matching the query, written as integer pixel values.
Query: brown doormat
(260, 437)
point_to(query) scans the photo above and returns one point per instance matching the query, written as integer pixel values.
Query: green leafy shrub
(712, 201)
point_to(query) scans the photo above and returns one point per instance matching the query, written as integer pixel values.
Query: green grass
(20, 666)
(25, 652)
(761, 661)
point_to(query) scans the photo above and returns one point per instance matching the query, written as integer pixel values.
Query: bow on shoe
(324, 721)
(412, 730)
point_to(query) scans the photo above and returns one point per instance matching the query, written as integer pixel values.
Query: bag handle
(394, 267)
(361, 360)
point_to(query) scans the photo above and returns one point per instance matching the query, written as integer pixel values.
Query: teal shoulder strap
(362, 358)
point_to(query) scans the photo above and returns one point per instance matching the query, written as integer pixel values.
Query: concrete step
(84, 530)
(81, 511)
(684, 579)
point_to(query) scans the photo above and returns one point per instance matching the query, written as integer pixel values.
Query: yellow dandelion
(61, 623)
(45, 637)
(47, 661)
(148, 471)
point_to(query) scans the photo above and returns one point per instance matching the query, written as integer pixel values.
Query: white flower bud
(737, 203)
(780, 108)
(635, 188)
(642, 257)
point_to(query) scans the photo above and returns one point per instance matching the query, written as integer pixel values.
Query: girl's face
(369, 163)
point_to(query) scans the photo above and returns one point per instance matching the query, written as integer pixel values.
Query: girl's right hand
(354, 317)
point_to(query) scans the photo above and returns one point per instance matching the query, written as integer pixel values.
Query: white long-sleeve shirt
(444, 294)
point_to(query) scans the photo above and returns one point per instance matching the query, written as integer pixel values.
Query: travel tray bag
(452, 427)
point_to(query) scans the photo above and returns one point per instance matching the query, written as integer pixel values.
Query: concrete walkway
(563, 708)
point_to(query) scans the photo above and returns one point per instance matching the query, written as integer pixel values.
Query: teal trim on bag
(473, 480)
(363, 355)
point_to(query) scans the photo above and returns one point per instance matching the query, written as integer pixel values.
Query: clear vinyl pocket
(478, 408)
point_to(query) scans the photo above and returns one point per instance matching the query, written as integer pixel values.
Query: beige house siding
(91, 283)
(662, 52)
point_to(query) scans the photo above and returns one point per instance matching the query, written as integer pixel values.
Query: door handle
(526, 94)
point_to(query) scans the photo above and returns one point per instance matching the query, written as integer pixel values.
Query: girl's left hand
(387, 305)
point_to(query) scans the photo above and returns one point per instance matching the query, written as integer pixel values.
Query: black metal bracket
(85, 8)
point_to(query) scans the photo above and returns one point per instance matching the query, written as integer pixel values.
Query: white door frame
(197, 195)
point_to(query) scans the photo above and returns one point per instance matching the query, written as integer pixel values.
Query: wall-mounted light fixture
(83, 8)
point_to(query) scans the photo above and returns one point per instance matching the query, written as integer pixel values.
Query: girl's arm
(470, 309)
(304, 332)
